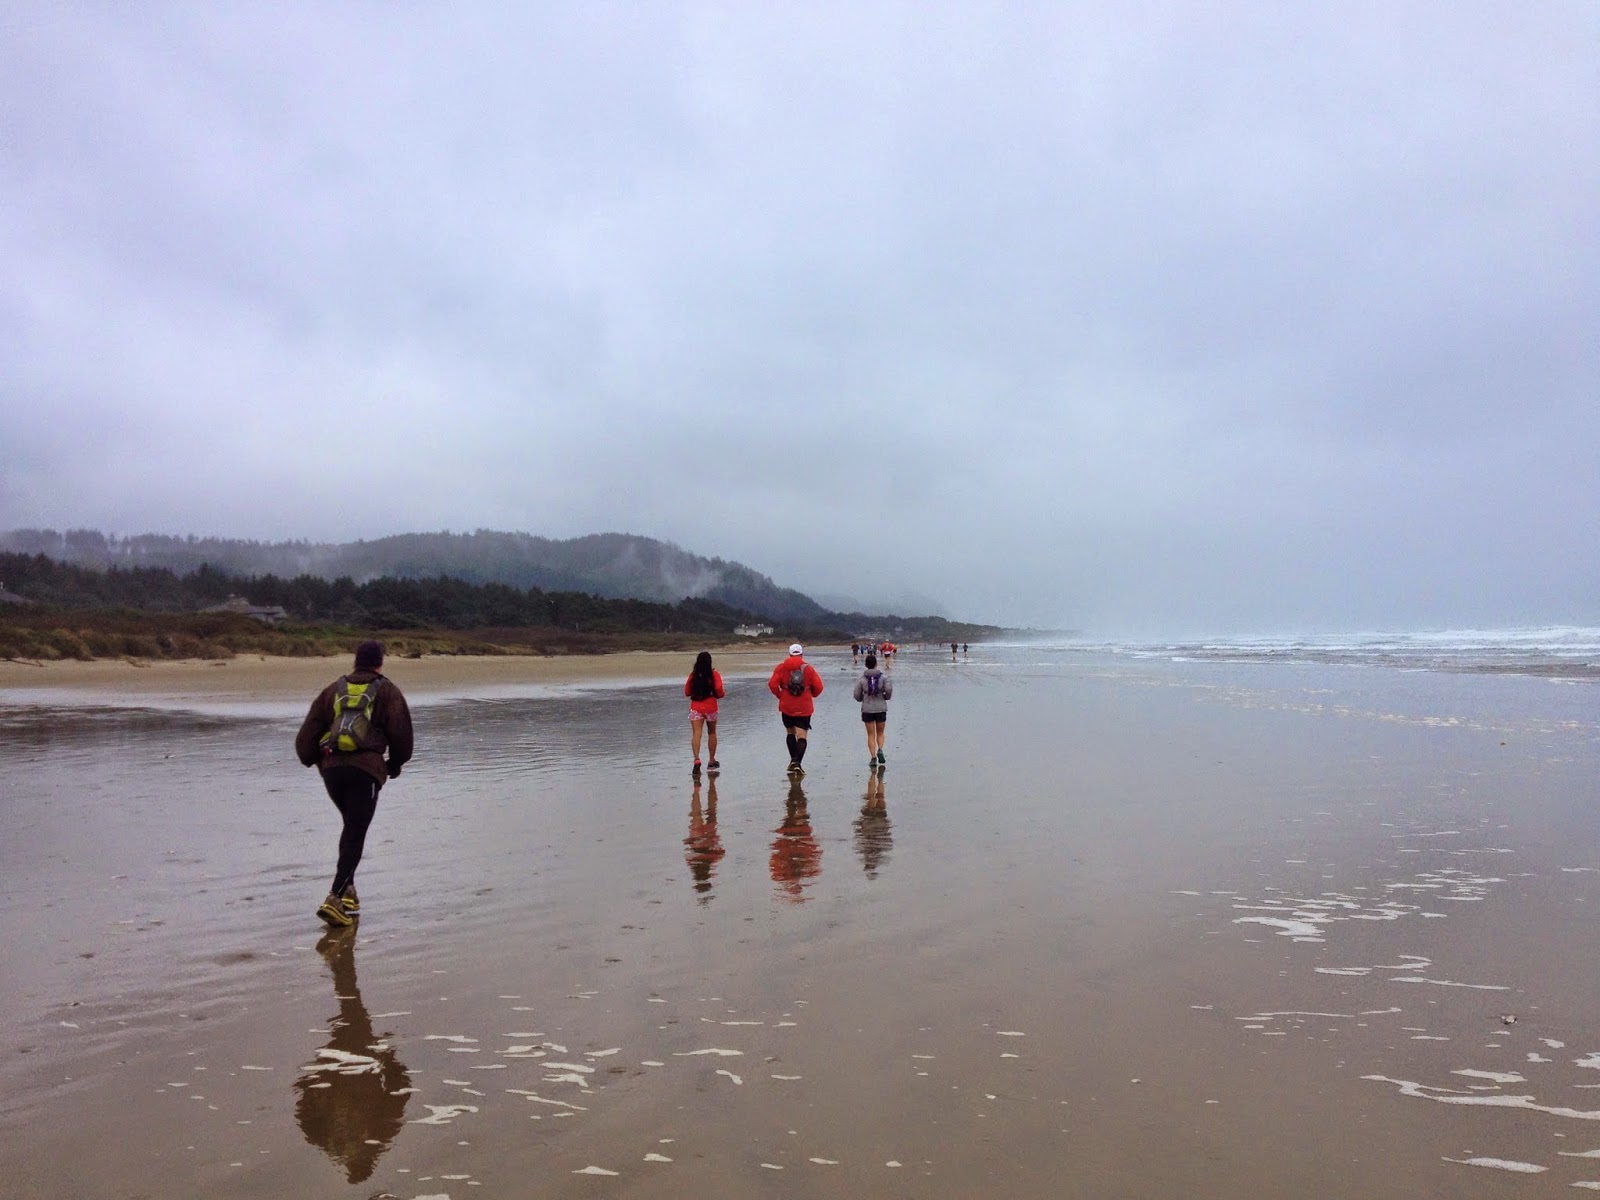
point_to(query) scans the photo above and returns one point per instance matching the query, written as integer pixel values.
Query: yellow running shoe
(332, 911)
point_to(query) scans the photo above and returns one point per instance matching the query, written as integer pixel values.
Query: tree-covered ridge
(437, 604)
(609, 565)
(383, 603)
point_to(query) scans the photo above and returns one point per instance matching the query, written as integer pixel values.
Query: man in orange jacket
(796, 684)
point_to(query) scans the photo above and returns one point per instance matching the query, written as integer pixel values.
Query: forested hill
(610, 565)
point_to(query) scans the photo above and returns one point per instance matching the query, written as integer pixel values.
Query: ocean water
(1568, 651)
(1115, 920)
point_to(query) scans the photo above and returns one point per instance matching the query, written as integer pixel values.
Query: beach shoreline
(269, 677)
(1183, 925)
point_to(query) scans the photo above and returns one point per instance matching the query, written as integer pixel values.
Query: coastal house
(753, 630)
(267, 614)
(11, 597)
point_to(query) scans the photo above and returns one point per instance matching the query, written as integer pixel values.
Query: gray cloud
(1189, 318)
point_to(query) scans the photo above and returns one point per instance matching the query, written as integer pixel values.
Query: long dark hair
(702, 685)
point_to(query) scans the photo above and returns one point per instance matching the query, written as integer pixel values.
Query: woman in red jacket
(796, 684)
(704, 689)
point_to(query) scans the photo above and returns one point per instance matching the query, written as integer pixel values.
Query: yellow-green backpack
(352, 728)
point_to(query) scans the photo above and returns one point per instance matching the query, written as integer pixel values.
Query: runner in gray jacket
(873, 690)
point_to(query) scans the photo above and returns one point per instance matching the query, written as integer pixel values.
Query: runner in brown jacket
(350, 725)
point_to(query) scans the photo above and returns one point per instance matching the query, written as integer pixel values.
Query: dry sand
(266, 677)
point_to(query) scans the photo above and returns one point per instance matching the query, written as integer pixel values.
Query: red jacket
(795, 706)
(709, 704)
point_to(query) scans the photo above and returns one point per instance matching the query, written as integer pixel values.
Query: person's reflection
(702, 849)
(872, 827)
(796, 856)
(352, 1099)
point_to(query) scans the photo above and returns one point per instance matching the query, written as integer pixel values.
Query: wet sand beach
(1102, 928)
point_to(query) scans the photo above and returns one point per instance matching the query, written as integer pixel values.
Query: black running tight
(355, 795)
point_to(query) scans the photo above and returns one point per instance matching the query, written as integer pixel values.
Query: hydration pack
(797, 681)
(875, 684)
(352, 727)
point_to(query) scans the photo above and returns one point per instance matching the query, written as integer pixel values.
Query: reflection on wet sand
(873, 838)
(703, 847)
(352, 1099)
(796, 854)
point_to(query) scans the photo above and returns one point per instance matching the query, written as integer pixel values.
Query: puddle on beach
(1152, 928)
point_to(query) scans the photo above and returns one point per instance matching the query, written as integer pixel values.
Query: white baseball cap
(797, 648)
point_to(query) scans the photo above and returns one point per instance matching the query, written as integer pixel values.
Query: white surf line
(1422, 1091)
(342, 1062)
(1478, 987)
(448, 1037)
(443, 1114)
(731, 1076)
(593, 1170)
(1492, 1076)
(1501, 1164)
(1298, 930)
(535, 1098)
(709, 1050)
(568, 1077)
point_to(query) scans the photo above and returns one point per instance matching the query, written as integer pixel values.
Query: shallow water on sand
(1101, 928)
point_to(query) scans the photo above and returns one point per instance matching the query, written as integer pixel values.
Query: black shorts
(795, 722)
(874, 718)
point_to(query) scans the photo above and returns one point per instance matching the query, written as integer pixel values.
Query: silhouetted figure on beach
(796, 853)
(702, 849)
(351, 1101)
(872, 827)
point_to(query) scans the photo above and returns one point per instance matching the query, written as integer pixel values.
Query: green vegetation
(153, 612)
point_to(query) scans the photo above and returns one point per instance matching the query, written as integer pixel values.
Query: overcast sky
(1135, 318)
